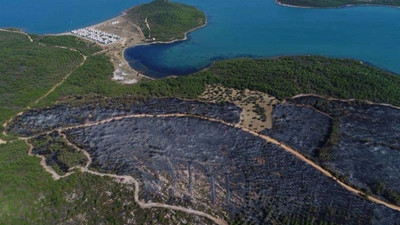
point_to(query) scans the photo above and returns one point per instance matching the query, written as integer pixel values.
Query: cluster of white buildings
(115, 22)
(97, 35)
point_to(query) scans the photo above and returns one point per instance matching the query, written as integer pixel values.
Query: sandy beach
(132, 36)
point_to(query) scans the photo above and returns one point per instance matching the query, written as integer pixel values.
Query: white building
(97, 35)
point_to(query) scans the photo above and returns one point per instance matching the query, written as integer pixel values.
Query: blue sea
(57, 16)
(236, 28)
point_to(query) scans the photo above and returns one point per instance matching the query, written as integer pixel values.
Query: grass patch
(23, 181)
(59, 155)
(68, 41)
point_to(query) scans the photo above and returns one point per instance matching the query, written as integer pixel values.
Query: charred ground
(216, 168)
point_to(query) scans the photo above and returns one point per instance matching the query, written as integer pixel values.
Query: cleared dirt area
(257, 106)
(131, 35)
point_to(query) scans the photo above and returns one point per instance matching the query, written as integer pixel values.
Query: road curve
(345, 100)
(119, 178)
(265, 137)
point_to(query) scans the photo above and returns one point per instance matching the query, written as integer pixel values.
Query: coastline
(174, 40)
(143, 43)
(128, 42)
(334, 7)
(121, 50)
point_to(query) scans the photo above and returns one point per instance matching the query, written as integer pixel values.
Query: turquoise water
(256, 28)
(261, 28)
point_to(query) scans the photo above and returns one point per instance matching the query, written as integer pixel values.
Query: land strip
(345, 100)
(19, 32)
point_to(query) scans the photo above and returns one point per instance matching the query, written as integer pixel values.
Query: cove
(256, 28)
(261, 28)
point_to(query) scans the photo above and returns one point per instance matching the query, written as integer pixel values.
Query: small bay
(261, 28)
(256, 28)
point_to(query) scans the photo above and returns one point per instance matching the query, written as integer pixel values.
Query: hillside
(28, 70)
(30, 66)
(338, 3)
(284, 77)
(91, 130)
(162, 20)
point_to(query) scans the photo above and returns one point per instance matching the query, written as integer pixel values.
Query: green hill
(167, 20)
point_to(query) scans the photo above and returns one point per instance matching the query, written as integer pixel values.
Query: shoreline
(174, 40)
(163, 42)
(142, 42)
(335, 7)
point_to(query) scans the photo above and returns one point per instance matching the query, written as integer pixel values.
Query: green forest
(282, 77)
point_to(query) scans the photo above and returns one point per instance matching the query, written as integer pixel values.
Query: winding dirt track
(48, 169)
(47, 93)
(130, 180)
(31, 40)
(344, 100)
(18, 32)
(265, 137)
(120, 178)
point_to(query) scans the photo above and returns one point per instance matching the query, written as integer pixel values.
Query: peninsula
(154, 22)
(165, 21)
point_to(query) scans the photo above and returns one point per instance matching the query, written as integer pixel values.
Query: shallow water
(256, 28)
